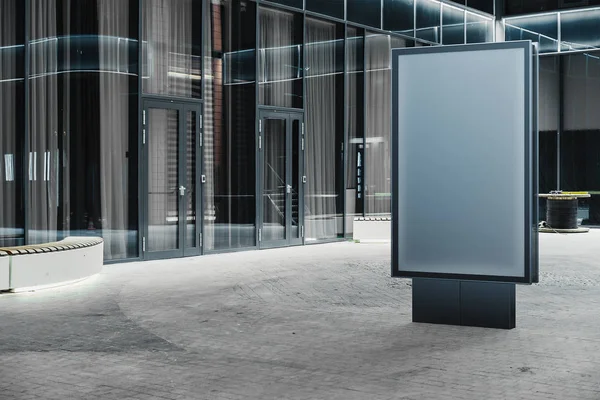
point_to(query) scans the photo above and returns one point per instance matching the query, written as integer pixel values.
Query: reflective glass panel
(163, 179)
(83, 113)
(378, 121)
(579, 30)
(365, 12)
(479, 29)
(549, 98)
(428, 20)
(296, 177)
(171, 47)
(453, 25)
(280, 58)
(191, 168)
(274, 179)
(334, 8)
(355, 103)
(12, 122)
(399, 16)
(229, 125)
(540, 28)
(549, 93)
(324, 129)
(580, 138)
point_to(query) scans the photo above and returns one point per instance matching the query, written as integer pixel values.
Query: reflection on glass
(579, 30)
(453, 28)
(12, 122)
(324, 129)
(171, 37)
(398, 16)
(83, 167)
(355, 101)
(365, 12)
(274, 180)
(280, 58)
(190, 193)
(229, 125)
(428, 20)
(163, 179)
(541, 28)
(479, 29)
(80, 53)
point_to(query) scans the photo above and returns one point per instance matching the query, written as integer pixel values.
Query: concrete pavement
(313, 322)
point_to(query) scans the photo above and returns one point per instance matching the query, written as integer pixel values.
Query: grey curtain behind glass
(167, 33)
(355, 126)
(44, 169)
(11, 86)
(277, 65)
(209, 145)
(274, 179)
(80, 124)
(114, 131)
(321, 99)
(378, 115)
(229, 125)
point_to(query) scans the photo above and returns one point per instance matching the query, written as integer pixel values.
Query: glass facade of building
(81, 162)
(569, 93)
(514, 7)
(181, 127)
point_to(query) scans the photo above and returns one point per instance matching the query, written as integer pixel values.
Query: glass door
(171, 140)
(281, 147)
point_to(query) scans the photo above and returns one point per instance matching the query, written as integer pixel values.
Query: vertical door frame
(297, 116)
(182, 107)
(287, 115)
(198, 108)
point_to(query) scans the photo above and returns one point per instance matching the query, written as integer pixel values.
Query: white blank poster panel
(462, 173)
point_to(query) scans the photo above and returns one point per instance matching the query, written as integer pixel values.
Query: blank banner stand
(464, 179)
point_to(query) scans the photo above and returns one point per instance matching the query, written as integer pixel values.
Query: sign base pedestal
(464, 303)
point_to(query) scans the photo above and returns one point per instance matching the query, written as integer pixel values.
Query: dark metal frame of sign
(530, 202)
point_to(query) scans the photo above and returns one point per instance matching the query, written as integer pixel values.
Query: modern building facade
(568, 33)
(184, 127)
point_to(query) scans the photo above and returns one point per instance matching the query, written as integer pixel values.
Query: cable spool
(561, 213)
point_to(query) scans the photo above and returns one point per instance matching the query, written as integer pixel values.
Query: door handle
(203, 178)
(182, 190)
(289, 188)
